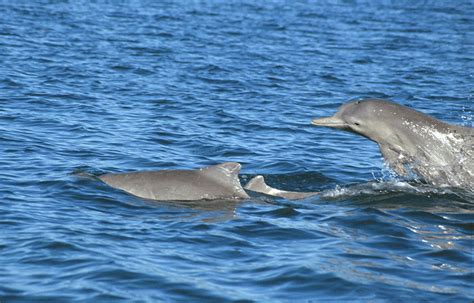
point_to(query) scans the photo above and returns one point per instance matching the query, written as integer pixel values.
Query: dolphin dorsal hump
(226, 175)
(229, 168)
(258, 184)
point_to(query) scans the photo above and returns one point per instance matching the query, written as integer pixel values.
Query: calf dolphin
(209, 183)
(440, 153)
(257, 184)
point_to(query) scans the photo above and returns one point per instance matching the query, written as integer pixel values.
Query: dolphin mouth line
(329, 124)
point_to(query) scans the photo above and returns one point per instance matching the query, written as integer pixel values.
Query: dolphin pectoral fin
(257, 184)
(329, 122)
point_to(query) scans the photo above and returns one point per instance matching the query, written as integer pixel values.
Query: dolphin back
(213, 182)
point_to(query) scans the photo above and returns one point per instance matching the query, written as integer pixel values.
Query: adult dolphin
(209, 183)
(410, 141)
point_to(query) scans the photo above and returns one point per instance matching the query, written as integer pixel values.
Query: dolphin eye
(357, 123)
(357, 102)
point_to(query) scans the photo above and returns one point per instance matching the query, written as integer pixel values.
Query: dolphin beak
(329, 122)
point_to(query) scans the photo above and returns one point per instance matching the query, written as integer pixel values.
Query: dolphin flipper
(257, 184)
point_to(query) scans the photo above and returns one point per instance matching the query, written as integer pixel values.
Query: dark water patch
(448, 256)
(270, 231)
(283, 212)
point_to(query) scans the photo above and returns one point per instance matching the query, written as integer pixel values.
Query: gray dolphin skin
(209, 183)
(257, 184)
(411, 142)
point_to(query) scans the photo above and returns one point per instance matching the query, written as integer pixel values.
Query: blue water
(92, 87)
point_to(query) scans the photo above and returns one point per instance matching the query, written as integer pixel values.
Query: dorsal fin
(258, 184)
(227, 175)
(231, 168)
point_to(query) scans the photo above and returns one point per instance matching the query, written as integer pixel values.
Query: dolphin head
(410, 141)
(371, 118)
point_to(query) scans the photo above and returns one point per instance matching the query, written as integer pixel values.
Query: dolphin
(257, 184)
(209, 183)
(217, 182)
(441, 154)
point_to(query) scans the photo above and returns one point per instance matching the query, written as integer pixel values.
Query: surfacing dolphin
(257, 184)
(209, 183)
(217, 182)
(410, 141)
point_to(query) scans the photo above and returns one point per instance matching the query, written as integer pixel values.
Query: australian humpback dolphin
(209, 183)
(217, 182)
(440, 153)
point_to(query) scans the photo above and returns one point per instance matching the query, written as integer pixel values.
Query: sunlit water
(89, 87)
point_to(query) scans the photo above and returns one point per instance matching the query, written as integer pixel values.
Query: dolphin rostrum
(209, 183)
(440, 153)
(257, 184)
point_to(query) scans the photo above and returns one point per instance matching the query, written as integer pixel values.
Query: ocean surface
(89, 87)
